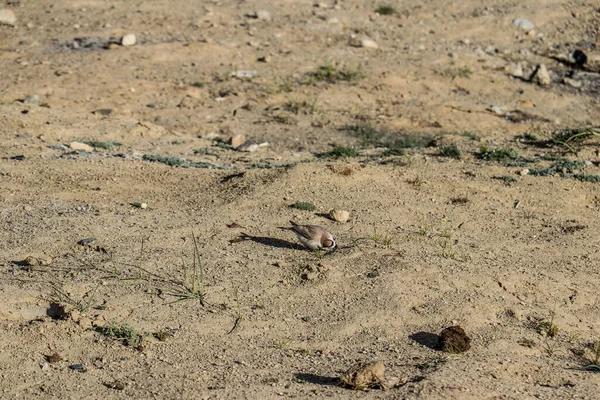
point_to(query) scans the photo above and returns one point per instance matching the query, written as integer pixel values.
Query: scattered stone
(524, 24)
(454, 340)
(32, 99)
(541, 76)
(572, 82)
(54, 358)
(310, 273)
(524, 172)
(369, 44)
(264, 59)
(116, 385)
(339, 215)
(237, 140)
(139, 204)
(128, 40)
(593, 63)
(34, 261)
(7, 17)
(81, 146)
(333, 20)
(78, 367)
(103, 111)
(244, 74)
(496, 110)
(365, 376)
(249, 146)
(86, 241)
(491, 50)
(85, 323)
(517, 71)
(18, 158)
(264, 15)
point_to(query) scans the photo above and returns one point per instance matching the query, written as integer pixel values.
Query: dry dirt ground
(432, 241)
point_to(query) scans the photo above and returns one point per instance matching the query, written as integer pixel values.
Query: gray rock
(572, 82)
(523, 23)
(264, 15)
(249, 146)
(7, 17)
(541, 76)
(32, 99)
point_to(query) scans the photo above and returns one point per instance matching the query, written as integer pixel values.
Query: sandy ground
(432, 241)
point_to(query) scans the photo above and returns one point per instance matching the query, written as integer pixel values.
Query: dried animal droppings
(365, 376)
(454, 340)
(339, 215)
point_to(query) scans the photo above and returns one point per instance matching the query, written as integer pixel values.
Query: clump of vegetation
(341, 152)
(508, 179)
(331, 74)
(386, 10)
(450, 151)
(460, 200)
(562, 166)
(193, 279)
(304, 205)
(411, 141)
(586, 178)
(303, 106)
(456, 72)
(198, 84)
(571, 138)
(107, 145)
(368, 135)
(594, 366)
(127, 334)
(498, 154)
(181, 162)
(526, 137)
(547, 327)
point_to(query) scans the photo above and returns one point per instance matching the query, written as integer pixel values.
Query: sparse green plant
(128, 335)
(526, 343)
(594, 366)
(574, 137)
(193, 278)
(563, 166)
(331, 74)
(470, 135)
(181, 162)
(549, 347)
(61, 297)
(424, 230)
(341, 152)
(238, 315)
(411, 141)
(498, 154)
(450, 151)
(586, 178)
(417, 181)
(304, 206)
(301, 106)
(508, 179)
(386, 10)
(461, 200)
(526, 137)
(106, 145)
(382, 238)
(368, 134)
(198, 84)
(548, 327)
(457, 72)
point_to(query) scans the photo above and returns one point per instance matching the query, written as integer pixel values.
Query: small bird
(314, 237)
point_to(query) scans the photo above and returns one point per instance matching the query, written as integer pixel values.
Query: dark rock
(454, 340)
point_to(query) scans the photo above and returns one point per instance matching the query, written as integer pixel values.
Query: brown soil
(432, 241)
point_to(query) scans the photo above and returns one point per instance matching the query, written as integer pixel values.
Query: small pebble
(139, 204)
(128, 40)
(541, 76)
(368, 44)
(524, 172)
(7, 17)
(81, 146)
(523, 23)
(264, 15)
(77, 367)
(339, 215)
(32, 99)
(237, 140)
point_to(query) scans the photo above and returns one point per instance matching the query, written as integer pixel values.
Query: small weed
(594, 366)
(508, 179)
(548, 328)
(499, 154)
(573, 228)
(526, 137)
(368, 135)
(382, 238)
(571, 138)
(586, 178)
(470, 135)
(193, 278)
(424, 230)
(460, 200)
(107, 145)
(304, 205)
(340, 152)
(303, 106)
(127, 334)
(181, 162)
(345, 170)
(61, 297)
(527, 343)
(386, 10)
(199, 84)
(416, 181)
(238, 316)
(450, 151)
(562, 166)
(456, 72)
(549, 347)
(283, 119)
(331, 74)
(394, 152)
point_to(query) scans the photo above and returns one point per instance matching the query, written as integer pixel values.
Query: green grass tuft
(341, 152)
(107, 145)
(562, 166)
(331, 74)
(368, 135)
(127, 334)
(450, 151)
(304, 205)
(498, 154)
(181, 162)
(386, 10)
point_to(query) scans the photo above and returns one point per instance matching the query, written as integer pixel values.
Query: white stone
(541, 76)
(7, 17)
(523, 23)
(368, 44)
(128, 40)
(263, 15)
(81, 146)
